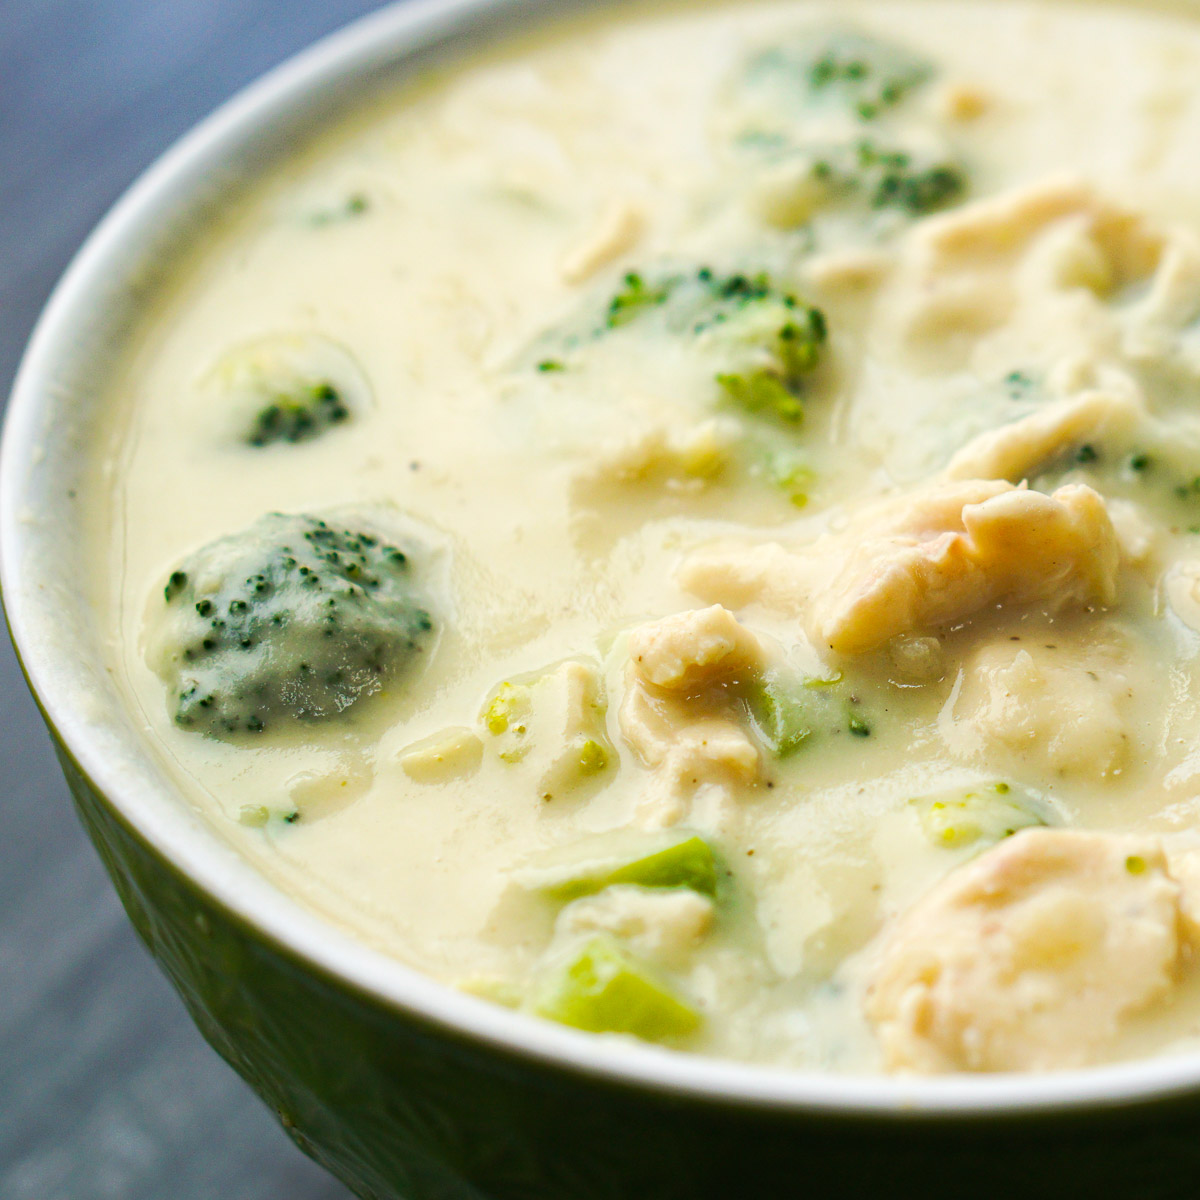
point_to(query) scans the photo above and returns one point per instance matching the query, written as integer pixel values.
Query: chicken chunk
(764, 573)
(1183, 593)
(958, 548)
(1030, 956)
(675, 715)
(1013, 451)
(618, 230)
(695, 649)
(1040, 261)
(1059, 708)
(912, 564)
(661, 924)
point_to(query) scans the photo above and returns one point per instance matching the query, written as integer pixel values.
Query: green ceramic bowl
(400, 1086)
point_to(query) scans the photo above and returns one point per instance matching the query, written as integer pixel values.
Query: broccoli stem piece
(989, 814)
(602, 988)
(790, 711)
(672, 859)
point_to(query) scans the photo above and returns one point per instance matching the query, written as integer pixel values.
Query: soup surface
(689, 525)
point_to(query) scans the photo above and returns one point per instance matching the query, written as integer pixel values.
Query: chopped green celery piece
(989, 814)
(672, 858)
(787, 710)
(602, 988)
(782, 714)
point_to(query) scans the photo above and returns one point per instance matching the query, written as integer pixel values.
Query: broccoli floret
(288, 388)
(780, 342)
(887, 178)
(766, 340)
(780, 115)
(291, 620)
(299, 415)
(894, 179)
(636, 295)
(866, 75)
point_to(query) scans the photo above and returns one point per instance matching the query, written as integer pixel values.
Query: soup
(688, 525)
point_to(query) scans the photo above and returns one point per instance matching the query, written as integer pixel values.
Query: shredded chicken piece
(1042, 259)
(617, 231)
(1030, 956)
(915, 563)
(662, 924)
(1057, 707)
(667, 720)
(1014, 450)
(694, 649)
(957, 548)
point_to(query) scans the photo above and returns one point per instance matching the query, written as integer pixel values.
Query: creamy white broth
(555, 511)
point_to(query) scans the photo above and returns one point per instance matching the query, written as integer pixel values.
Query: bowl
(402, 1087)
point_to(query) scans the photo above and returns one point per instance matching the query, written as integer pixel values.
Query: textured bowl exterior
(403, 1110)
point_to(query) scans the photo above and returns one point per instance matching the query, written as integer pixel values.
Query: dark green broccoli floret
(772, 343)
(867, 75)
(290, 620)
(781, 113)
(895, 180)
(297, 416)
(888, 178)
(287, 388)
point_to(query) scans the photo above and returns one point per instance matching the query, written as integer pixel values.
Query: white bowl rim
(383, 39)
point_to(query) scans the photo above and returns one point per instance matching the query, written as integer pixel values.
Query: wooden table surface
(107, 1092)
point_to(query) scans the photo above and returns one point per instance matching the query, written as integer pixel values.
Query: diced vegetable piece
(602, 988)
(506, 709)
(781, 714)
(788, 710)
(446, 755)
(554, 722)
(989, 814)
(762, 393)
(672, 858)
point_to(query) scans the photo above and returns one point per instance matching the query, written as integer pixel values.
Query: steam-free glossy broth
(738, 575)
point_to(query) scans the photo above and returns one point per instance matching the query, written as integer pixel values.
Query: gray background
(106, 1090)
